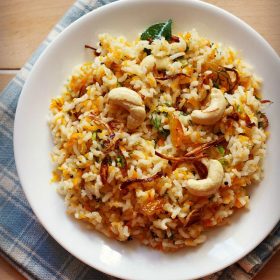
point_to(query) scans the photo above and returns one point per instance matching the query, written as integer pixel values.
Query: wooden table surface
(25, 23)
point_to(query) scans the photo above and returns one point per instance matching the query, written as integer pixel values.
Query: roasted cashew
(210, 184)
(163, 63)
(129, 100)
(148, 62)
(213, 112)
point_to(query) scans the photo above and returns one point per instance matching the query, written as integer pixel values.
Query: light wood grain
(25, 23)
(272, 269)
(7, 272)
(4, 80)
(262, 15)
(23, 26)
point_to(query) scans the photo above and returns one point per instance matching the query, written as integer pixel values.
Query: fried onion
(145, 180)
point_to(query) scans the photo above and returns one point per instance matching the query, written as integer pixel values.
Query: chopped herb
(183, 61)
(120, 160)
(223, 162)
(157, 31)
(216, 85)
(156, 122)
(184, 113)
(239, 109)
(164, 133)
(187, 48)
(95, 135)
(221, 150)
(168, 104)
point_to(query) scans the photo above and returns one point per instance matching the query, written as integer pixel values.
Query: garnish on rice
(158, 139)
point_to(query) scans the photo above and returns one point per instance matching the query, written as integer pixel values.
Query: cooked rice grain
(160, 213)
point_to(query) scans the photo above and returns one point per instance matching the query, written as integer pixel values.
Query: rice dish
(158, 140)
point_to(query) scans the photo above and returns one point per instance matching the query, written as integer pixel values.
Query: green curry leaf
(158, 30)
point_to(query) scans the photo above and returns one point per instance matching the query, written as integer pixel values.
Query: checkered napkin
(23, 241)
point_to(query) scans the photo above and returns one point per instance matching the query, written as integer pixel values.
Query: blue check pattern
(23, 241)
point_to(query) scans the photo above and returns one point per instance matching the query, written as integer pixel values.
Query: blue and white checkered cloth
(23, 241)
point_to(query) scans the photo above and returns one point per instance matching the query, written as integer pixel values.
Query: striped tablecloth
(23, 241)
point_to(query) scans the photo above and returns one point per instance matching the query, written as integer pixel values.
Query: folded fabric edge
(15, 265)
(254, 261)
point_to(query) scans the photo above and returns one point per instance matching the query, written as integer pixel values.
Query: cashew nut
(148, 62)
(129, 100)
(213, 112)
(210, 184)
(163, 63)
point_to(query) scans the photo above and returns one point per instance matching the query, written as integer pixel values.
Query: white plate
(32, 142)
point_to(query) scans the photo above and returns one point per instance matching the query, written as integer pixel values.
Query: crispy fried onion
(192, 217)
(234, 116)
(223, 78)
(145, 180)
(263, 122)
(82, 90)
(104, 170)
(180, 159)
(248, 122)
(195, 154)
(122, 164)
(110, 143)
(152, 207)
(96, 53)
(205, 146)
(167, 77)
(264, 101)
(174, 39)
(201, 169)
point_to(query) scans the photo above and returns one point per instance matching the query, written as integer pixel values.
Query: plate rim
(24, 92)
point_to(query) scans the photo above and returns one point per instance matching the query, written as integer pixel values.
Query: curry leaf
(157, 31)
